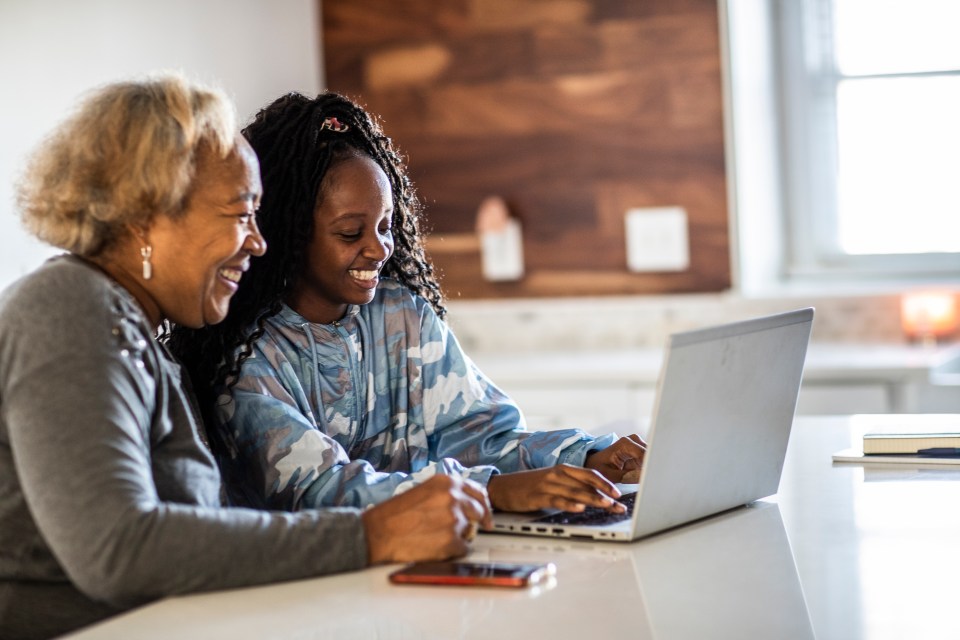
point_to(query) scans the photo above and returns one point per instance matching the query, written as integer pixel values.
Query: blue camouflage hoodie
(354, 412)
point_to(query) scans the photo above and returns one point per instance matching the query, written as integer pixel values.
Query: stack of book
(911, 445)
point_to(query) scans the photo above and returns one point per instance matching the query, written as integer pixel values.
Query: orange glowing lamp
(928, 316)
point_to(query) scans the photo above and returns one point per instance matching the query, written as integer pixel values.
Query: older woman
(109, 496)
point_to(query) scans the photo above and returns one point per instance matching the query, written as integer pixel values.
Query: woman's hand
(432, 521)
(621, 461)
(562, 487)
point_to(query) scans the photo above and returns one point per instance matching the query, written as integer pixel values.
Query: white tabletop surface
(842, 551)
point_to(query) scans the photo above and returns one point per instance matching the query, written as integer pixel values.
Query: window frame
(808, 82)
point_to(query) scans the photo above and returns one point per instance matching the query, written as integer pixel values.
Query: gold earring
(145, 253)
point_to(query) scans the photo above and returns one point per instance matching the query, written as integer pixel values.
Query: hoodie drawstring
(321, 418)
(364, 366)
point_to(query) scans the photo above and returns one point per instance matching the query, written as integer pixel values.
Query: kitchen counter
(838, 378)
(825, 362)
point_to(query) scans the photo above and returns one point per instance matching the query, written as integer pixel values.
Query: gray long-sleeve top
(108, 496)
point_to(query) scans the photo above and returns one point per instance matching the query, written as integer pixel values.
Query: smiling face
(200, 255)
(352, 239)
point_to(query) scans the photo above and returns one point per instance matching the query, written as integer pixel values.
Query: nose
(378, 248)
(254, 243)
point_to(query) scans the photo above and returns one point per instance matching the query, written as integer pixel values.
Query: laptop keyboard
(593, 515)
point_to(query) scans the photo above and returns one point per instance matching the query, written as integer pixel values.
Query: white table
(843, 551)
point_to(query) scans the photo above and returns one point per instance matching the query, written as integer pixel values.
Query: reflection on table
(843, 551)
(731, 576)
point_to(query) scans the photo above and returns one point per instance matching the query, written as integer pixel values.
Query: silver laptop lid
(725, 402)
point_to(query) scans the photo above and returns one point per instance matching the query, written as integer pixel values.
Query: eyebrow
(357, 214)
(243, 197)
(346, 216)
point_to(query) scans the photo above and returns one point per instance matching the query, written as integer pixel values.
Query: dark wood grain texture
(573, 111)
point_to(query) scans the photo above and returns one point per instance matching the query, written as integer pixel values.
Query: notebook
(910, 439)
(718, 436)
(893, 441)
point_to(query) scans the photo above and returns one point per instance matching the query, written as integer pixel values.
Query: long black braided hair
(296, 151)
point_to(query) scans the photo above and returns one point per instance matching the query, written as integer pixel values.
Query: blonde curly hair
(127, 154)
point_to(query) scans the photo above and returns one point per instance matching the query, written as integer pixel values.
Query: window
(870, 97)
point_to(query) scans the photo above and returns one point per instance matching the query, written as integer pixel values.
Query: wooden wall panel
(573, 111)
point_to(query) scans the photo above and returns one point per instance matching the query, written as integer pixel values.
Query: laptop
(718, 436)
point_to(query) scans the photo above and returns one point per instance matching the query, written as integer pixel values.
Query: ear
(140, 231)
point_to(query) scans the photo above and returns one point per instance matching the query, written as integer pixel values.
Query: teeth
(233, 275)
(363, 275)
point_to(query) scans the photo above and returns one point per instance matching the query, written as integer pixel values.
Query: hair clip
(334, 125)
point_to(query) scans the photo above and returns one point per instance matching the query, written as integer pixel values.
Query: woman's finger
(640, 441)
(568, 503)
(477, 504)
(630, 447)
(580, 486)
(581, 476)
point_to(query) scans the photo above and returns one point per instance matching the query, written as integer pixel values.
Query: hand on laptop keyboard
(561, 487)
(621, 461)
(592, 515)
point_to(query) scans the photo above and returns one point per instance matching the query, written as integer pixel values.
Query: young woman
(109, 496)
(334, 380)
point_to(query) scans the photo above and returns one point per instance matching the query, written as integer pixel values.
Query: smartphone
(498, 574)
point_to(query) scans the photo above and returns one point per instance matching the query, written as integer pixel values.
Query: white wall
(51, 51)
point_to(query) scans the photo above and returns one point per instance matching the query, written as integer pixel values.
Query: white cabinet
(583, 406)
(844, 399)
(591, 389)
